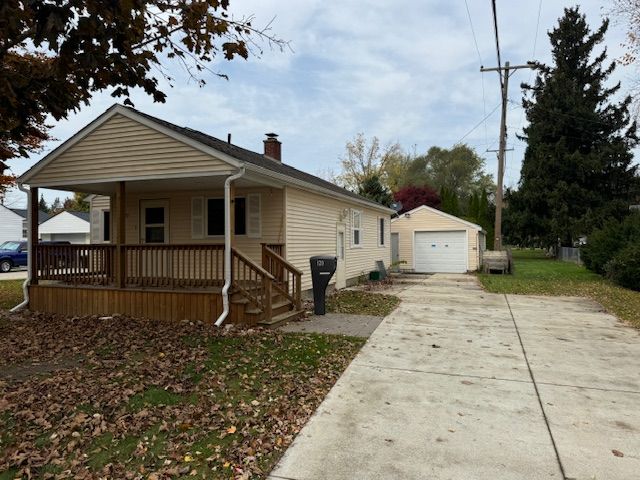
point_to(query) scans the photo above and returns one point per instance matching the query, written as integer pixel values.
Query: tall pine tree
(577, 169)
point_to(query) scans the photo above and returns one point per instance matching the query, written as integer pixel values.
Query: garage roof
(439, 212)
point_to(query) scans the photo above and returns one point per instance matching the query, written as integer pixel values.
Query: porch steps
(282, 311)
(281, 319)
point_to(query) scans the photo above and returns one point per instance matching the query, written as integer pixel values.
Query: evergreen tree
(56, 206)
(42, 204)
(577, 169)
(372, 189)
(449, 201)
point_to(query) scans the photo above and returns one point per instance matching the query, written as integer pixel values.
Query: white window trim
(355, 212)
(206, 217)
(383, 243)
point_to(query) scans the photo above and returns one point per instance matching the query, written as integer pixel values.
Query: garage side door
(444, 252)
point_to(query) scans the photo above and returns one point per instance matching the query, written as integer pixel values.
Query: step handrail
(287, 278)
(245, 274)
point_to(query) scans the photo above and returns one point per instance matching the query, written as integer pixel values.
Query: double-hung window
(208, 216)
(215, 216)
(356, 228)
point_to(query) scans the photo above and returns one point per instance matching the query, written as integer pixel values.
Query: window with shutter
(197, 217)
(254, 215)
(214, 216)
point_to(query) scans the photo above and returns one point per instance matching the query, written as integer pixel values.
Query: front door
(154, 265)
(341, 280)
(154, 221)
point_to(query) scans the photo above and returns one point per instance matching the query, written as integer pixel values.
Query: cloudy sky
(408, 73)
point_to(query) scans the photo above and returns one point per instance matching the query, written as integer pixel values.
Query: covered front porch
(158, 251)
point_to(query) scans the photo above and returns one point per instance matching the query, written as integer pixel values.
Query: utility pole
(504, 73)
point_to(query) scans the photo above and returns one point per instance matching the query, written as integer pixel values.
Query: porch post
(120, 235)
(33, 234)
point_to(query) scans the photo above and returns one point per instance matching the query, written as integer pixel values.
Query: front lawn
(125, 398)
(537, 275)
(360, 302)
(10, 293)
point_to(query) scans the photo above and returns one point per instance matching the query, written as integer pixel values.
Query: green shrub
(604, 244)
(624, 268)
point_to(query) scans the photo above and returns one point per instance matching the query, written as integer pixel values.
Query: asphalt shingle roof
(42, 216)
(81, 215)
(254, 158)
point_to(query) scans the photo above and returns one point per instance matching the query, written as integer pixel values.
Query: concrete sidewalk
(458, 383)
(14, 274)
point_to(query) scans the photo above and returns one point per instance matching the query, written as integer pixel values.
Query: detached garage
(427, 240)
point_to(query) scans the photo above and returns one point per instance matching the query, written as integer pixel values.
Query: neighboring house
(166, 200)
(13, 223)
(428, 240)
(66, 226)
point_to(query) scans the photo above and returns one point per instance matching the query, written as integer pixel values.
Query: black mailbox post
(322, 269)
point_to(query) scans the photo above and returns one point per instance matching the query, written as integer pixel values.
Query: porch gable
(118, 146)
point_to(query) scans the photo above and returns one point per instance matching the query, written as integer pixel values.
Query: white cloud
(403, 70)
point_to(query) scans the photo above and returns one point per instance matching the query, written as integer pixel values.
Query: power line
(473, 32)
(535, 38)
(475, 42)
(478, 124)
(495, 30)
(533, 56)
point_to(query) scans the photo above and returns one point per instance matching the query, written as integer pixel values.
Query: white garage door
(441, 252)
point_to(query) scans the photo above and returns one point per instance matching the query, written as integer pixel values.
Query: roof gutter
(227, 246)
(25, 286)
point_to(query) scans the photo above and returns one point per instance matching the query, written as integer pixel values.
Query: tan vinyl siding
(123, 148)
(97, 205)
(426, 220)
(180, 218)
(311, 230)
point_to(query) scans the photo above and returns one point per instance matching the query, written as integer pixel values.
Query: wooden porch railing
(287, 278)
(171, 266)
(275, 247)
(76, 264)
(174, 265)
(253, 281)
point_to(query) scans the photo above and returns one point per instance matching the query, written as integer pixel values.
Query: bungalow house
(184, 225)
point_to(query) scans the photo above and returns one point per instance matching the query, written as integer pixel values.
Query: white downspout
(25, 285)
(227, 246)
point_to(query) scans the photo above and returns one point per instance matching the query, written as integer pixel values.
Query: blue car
(12, 254)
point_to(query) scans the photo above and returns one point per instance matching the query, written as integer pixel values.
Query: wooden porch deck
(164, 282)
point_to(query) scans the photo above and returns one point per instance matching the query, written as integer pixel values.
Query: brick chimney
(272, 147)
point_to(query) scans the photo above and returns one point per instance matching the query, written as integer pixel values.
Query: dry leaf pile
(90, 398)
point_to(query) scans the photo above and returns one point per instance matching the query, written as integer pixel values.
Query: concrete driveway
(460, 384)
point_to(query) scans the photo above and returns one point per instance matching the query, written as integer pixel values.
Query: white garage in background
(428, 240)
(66, 226)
